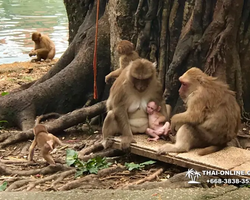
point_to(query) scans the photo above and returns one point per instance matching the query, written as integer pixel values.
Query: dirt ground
(21, 175)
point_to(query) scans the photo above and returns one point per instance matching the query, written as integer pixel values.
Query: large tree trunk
(210, 34)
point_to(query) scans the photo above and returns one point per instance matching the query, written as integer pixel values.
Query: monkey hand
(174, 124)
(107, 79)
(32, 53)
(126, 141)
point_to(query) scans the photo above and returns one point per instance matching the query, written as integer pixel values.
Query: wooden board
(230, 158)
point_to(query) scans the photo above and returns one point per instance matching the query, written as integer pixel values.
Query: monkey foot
(161, 151)
(153, 139)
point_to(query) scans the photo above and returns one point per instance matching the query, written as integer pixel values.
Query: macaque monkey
(157, 122)
(44, 140)
(44, 47)
(127, 102)
(212, 117)
(127, 54)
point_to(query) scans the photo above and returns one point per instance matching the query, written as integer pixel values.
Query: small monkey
(127, 54)
(157, 122)
(44, 47)
(44, 140)
(212, 117)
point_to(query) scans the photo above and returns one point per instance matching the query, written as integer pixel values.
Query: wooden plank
(230, 158)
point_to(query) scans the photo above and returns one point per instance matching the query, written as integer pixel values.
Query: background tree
(210, 34)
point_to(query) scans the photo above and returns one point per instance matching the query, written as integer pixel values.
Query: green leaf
(3, 186)
(71, 157)
(93, 170)
(4, 93)
(131, 166)
(80, 172)
(150, 162)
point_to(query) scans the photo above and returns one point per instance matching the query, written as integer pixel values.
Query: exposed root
(101, 173)
(62, 176)
(106, 153)
(4, 136)
(65, 121)
(90, 149)
(147, 178)
(17, 184)
(34, 183)
(46, 170)
(137, 13)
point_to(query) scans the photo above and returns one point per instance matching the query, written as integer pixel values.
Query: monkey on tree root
(127, 102)
(44, 47)
(127, 54)
(44, 140)
(212, 117)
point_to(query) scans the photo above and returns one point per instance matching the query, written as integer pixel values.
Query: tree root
(17, 184)
(62, 176)
(34, 183)
(46, 170)
(77, 183)
(90, 149)
(147, 178)
(106, 153)
(57, 125)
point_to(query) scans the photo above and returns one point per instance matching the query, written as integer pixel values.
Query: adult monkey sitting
(127, 102)
(212, 118)
(44, 47)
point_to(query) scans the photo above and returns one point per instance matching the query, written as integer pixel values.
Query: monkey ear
(155, 64)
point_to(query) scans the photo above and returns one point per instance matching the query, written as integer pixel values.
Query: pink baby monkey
(157, 122)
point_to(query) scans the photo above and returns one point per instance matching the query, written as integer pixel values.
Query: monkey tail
(46, 116)
(210, 149)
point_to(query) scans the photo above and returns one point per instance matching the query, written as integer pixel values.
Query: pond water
(19, 18)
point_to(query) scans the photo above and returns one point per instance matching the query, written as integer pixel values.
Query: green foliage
(3, 123)
(4, 93)
(3, 186)
(131, 166)
(92, 166)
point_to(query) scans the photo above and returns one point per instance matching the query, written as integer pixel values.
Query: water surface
(19, 18)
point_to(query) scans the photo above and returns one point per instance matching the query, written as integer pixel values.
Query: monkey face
(36, 36)
(151, 107)
(141, 84)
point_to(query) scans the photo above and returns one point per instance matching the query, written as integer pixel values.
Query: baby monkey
(127, 54)
(45, 141)
(157, 122)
